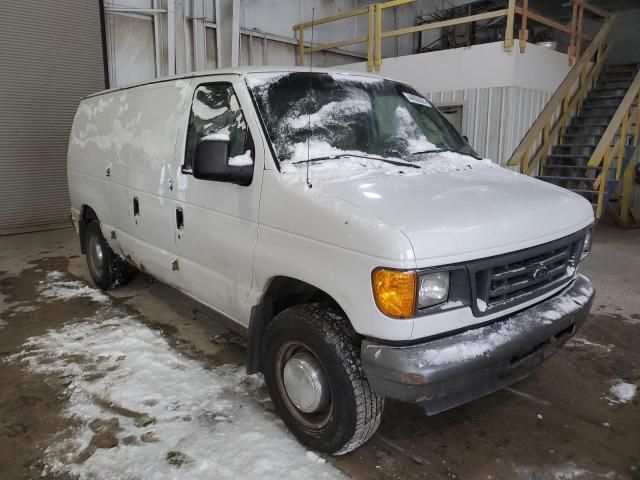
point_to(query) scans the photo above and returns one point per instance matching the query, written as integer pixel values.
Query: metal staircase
(586, 138)
(568, 164)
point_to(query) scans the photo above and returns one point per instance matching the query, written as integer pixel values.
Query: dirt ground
(559, 423)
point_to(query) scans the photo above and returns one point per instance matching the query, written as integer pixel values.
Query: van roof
(231, 71)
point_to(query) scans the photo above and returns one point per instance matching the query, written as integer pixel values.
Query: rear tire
(107, 269)
(348, 413)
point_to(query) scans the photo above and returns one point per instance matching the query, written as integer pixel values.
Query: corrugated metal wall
(495, 119)
(50, 56)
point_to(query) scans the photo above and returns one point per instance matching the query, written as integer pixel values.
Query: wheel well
(87, 214)
(282, 293)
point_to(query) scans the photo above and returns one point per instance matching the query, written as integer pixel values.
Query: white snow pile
(330, 111)
(243, 160)
(472, 344)
(168, 416)
(54, 287)
(409, 130)
(354, 165)
(578, 342)
(568, 471)
(622, 392)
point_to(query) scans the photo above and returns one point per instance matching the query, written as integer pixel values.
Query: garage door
(50, 56)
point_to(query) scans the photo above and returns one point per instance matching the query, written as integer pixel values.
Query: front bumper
(447, 372)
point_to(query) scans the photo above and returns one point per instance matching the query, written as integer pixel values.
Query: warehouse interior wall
(155, 38)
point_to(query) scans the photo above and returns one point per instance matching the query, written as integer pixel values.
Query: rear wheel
(316, 381)
(107, 269)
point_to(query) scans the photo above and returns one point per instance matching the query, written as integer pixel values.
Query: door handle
(136, 207)
(179, 218)
(107, 172)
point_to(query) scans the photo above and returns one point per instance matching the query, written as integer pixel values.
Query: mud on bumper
(447, 372)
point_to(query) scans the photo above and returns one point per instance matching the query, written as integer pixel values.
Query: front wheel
(316, 381)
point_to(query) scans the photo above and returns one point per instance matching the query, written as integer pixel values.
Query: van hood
(463, 215)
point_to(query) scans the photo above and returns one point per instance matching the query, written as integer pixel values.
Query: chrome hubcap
(96, 254)
(305, 383)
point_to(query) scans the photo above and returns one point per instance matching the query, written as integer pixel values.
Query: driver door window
(215, 110)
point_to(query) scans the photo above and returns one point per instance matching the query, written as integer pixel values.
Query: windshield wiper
(344, 155)
(439, 150)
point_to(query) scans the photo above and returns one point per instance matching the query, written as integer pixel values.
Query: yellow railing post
(627, 193)
(636, 133)
(377, 59)
(623, 142)
(371, 37)
(508, 35)
(574, 29)
(301, 46)
(525, 162)
(524, 32)
(580, 24)
(603, 183)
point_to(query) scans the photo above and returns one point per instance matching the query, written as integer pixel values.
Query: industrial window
(215, 109)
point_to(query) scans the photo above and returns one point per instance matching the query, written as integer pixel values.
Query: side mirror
(212, 161)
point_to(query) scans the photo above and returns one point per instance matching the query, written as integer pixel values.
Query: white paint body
(237, 239)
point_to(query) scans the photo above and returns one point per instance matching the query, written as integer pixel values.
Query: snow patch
(583, 342)
(204, 111)
(243, 160)
(64, 290)
(409, 130)
(329, 112)
(480, 341)
(623, 392)
(482, 305)
(171, 417)
(568, 471)
(216, 137)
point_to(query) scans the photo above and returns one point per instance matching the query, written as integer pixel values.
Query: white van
(364, 245)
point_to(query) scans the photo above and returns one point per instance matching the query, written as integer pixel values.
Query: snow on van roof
(233, 71)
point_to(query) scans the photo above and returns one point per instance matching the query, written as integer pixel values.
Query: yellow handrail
(566, 99)
(604, 155)
(375, 34)
(300, 28)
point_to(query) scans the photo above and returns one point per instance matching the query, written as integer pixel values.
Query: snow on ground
(622, 392)
(577, 342)
(54, 287)
(146, 411)
(567, 471)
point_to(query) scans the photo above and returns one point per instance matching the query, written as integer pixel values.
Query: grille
(505, 281)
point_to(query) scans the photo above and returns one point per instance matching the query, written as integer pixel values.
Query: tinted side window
(215, 109)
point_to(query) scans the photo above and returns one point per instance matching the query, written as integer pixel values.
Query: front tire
(107, 269)
(316, 381)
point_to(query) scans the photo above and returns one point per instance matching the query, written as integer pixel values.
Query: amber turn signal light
(395, 292)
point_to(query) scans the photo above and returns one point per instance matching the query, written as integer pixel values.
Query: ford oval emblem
(540, 272)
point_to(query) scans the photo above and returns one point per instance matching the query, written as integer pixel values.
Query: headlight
(434, 289)
(586, 246)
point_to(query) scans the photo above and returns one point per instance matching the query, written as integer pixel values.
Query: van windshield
(314, 116)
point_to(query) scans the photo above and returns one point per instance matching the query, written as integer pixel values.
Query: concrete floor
(558, 423)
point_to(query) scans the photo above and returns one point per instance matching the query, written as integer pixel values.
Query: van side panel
(147, 223)
(98, 157)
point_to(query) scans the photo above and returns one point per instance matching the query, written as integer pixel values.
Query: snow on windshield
(330, 111)
(319, 115)
(408, 130)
